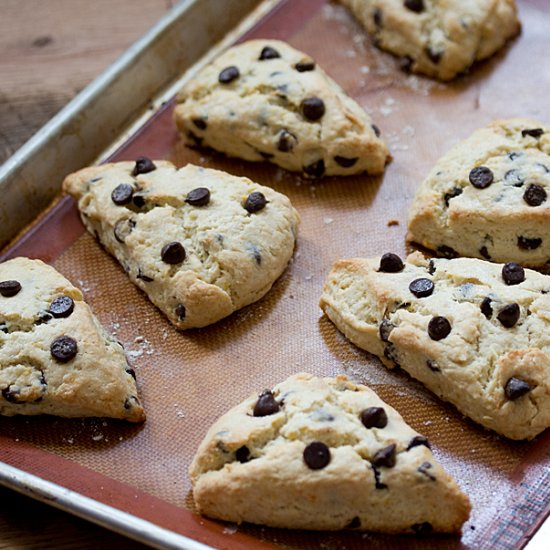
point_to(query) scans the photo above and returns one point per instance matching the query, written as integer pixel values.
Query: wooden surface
(49, 51)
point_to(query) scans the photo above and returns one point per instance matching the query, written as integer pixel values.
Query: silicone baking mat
(188, 379)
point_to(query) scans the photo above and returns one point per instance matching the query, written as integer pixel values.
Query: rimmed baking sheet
(188, 379)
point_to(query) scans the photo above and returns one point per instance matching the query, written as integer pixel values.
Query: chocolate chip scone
(439, 38)
(487, 197)
(200, 243)
(474, 332)
(264, 100)
(323, 454)
(55, 357)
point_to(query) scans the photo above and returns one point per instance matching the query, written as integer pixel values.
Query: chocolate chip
(131, 372)
(515, 388)
(9, 288)
(513, 273)
(355, 523)
(390, 352)
(62, 307)
(422, 287)
(509, 315)
(63, 349)
(481, 177)
(228, 75)
(200, 123)
(43, 317)
(432, 365)
(384, 330)
(345, 162)
(447, 251)
(286, 141)
(376, 130)
(269, 53)
(454, 192)
(377, 483)
(434, 55)
(422, 528)
(514, 155)
(139, 201)
(485, 253)
(534, 132)
(439, 328)
(374, 417)
(316, 455)
(390, 263)
(143, 277)
(431, 267)
(173, 253)
(122, 229)
(266, 404)
(406, 63)
(378, 17)
(423, 469)
(17, 396)
(418, 440)
(513, 177)
(255, 202)
(143, 166)
(414, 5)
(385, 457)
(122, 194)
(313, 108)
(534, 195)
(198, 197)
(315, 169)
(181, 312)
(486, 307)
(529, 244)
(243, 454)
(305, 65)
(130, 402)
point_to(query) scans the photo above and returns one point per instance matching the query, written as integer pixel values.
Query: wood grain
(49, 51)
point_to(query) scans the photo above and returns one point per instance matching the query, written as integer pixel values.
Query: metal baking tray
(132, 479)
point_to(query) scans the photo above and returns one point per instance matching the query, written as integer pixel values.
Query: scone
(474, 332)
(318, 453)
(199, 242)
(264, 100)
(55, 357)
(487, 197)
(440, 38)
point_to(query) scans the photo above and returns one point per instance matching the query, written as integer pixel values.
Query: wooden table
(49, 51)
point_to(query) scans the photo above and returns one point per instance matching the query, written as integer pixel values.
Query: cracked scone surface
(185, 237)
(41, 370)
(489, 358)
(487, 197)
(282, 108)
(439, 38)
(355, 475)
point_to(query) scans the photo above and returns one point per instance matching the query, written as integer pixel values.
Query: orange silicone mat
(189, 379)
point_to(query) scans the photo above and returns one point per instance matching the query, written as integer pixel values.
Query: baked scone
(264, 100)
(474, 332)
(318, 453)
(487, 197)
(55, 357)
(200, 243)
(440, 38)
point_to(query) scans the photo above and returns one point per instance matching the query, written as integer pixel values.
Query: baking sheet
(188, 379)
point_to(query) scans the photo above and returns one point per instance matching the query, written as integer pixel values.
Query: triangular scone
(440, 38)
(200, 243)
(323, 454)
(264, 100)
(55, 357)
(488, 196)
(474, 332)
